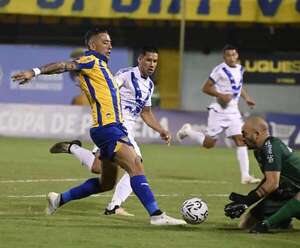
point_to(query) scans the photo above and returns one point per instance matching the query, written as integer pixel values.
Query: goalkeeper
(279, 192)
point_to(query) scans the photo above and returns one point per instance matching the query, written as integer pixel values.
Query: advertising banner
(44, 89)
(275, 68)
(263, 11)
(73, 122)
(286, 127)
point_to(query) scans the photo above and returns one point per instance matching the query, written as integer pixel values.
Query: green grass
(175, 173)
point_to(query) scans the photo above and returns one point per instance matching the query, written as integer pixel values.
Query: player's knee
(238, 140)
(137, 167)
(96, 167)
(209, 143)
(95, 170)
(247, 221)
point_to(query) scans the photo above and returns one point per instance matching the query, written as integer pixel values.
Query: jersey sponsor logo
(269, 149)
(270, 158)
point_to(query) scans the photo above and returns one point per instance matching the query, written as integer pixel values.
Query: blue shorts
(106, 138)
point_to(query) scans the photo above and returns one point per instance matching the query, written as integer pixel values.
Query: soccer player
(281, 183)
(225, 84)
(136, 89)
(107, 132)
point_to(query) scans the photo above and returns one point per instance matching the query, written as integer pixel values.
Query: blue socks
(92, 186)
(89, 187)
(142, 190)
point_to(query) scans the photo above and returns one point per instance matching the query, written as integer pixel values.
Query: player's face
(148, 63)
(102, 44)
(231, 57)
(249, 136)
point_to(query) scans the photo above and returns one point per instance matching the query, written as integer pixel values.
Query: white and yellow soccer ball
(194, 211)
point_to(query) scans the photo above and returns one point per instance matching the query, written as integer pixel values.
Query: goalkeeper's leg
(286, 212)
(261, 211)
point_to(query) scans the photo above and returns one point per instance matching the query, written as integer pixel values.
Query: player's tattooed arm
(59, 67)
(53, 68)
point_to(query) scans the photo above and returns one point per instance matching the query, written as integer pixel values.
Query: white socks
(197, 136)
(242, 157)
(86, 157)
(122, 192)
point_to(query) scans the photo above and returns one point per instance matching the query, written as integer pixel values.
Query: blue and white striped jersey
(227, 80)
(135, 91)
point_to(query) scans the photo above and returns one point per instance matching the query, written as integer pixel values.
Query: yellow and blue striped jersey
(101, 89)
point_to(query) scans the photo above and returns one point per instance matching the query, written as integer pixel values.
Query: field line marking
(43, 180)
(82, 179)
(110, 195)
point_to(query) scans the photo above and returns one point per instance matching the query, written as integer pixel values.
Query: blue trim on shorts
(106, 138)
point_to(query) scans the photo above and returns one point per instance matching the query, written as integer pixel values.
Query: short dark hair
(91, 33)
(148, 49)
(229, 47)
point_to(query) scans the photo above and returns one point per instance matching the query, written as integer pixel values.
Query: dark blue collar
(96, 54)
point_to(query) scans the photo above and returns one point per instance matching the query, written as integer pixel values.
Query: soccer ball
(194, 211)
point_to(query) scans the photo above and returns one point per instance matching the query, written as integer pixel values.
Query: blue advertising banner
(286, 127)
(45, 89)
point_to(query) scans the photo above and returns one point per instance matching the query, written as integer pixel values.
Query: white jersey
(135, 91)
(227, 80)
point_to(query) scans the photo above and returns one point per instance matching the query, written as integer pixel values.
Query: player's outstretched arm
(53, 68)
(250, 102)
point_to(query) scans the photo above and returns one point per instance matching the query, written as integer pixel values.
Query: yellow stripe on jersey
(102, 91)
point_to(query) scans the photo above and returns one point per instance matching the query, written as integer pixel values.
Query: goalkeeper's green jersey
(276, 156)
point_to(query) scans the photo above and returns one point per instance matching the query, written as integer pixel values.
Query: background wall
(269, 98)
(45, 89)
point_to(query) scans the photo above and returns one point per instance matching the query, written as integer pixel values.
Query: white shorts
(131, 139)
(219, 122)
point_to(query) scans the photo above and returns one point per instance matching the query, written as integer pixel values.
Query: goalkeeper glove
(240, 203)
(234, 210)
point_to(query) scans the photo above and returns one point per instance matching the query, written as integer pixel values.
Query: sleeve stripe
(88, 65)
(212, 80)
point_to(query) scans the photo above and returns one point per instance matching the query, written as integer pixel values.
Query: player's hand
(234, 210)
(166, 136)
(250, 102)
(23, 77)
(224, 99)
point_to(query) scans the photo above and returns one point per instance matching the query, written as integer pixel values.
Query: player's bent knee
(247, 221)
(209, 143)
(96, 167)
(238, 140)
(137, 168)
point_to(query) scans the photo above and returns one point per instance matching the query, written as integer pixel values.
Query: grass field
(28, 172)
